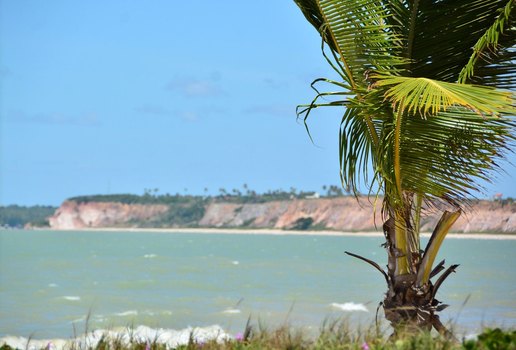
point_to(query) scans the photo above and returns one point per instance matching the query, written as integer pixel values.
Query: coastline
(278, 232)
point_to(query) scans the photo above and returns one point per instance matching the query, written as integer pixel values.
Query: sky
(103, 97)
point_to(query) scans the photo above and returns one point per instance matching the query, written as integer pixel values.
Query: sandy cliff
(71, 215)
(337, 214)
(343, 214)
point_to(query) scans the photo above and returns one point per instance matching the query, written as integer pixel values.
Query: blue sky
(118, 96)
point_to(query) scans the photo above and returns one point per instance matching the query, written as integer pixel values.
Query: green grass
(334, 336)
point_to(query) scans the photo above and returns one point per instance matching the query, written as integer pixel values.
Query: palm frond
(356, 147)
(443, 157)
(431, 137)
(493, 53)
(363, 39)
(313, 14)
(427, 96)
(432, 248)
(445, 32)
(360, 32)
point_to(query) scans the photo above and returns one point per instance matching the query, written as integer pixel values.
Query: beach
(278, 232)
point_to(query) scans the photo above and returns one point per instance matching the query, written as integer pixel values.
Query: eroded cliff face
(341, 214)
(334, 214)
(484, 216)
(71, 215)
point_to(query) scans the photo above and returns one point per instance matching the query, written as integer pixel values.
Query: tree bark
(408, 308)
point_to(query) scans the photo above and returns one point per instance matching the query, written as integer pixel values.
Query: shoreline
(278, 232)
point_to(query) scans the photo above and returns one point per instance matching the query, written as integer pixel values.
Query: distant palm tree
(412, 114)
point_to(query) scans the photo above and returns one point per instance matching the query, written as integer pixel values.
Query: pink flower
(365, 346)
(239, 337)
(147, 346)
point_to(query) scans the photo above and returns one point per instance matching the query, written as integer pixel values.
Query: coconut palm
(426, 90)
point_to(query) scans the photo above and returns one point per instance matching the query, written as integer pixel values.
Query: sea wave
(350, 306)
(72, 297)
(154, 313)
(127, 313)
(142, 334)
(231, 311)
(80, 319)
(150, 256)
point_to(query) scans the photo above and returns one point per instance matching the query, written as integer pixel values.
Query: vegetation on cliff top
(20, 216)
(240, 196)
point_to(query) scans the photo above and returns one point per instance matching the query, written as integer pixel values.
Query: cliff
(72, 215)
(341, 214)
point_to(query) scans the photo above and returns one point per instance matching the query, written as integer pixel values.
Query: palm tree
(421, 82)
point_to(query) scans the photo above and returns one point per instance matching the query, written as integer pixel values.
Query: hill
(340, 213)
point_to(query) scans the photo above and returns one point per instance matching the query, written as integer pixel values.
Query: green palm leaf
(442, 157)
(426, 137)
(427, 96)
(452, 26)
(493, 54)
(359, 34)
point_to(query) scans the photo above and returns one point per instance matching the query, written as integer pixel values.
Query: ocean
(54, 284)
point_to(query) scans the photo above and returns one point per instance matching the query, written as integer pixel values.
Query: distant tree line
(146, 198)
(235, 195)
(19, 216)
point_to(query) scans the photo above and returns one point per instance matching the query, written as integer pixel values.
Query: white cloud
(190, 116)
(275, 84)
(153, 109)
(156, 110)
(272, 109)
(191, 87)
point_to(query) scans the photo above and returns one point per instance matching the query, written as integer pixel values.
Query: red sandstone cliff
(336, 214)
(342, 214)
(71, 215)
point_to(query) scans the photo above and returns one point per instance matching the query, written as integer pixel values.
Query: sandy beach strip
(278, 232)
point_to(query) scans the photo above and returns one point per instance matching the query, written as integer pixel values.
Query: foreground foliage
(333, 338)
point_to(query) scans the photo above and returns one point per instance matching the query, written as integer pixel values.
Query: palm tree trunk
(409, 306)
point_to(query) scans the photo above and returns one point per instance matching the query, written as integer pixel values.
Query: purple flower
(147, 346)
(239, 336)
(365, 346)
(50, 346)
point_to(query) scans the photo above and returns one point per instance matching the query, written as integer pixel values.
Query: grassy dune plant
(427, 114)
(336, 336)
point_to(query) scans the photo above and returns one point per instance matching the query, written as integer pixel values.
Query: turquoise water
(50, 281)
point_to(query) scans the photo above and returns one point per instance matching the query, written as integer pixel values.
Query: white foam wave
(231, 311)
(52, 285)
(171, 338)
(80, 319)
(154, 313)
(72, 297)
(150, 256)
(235, 262)
(349, 306)
(127, 313)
